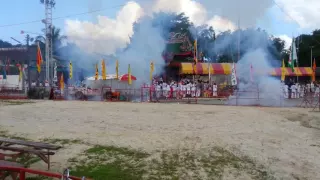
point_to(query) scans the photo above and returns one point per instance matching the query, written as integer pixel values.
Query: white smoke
(109, 36)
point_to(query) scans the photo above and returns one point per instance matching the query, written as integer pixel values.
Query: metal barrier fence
(227, 96)
(12, 93)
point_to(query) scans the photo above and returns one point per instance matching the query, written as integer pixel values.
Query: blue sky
(18, 11)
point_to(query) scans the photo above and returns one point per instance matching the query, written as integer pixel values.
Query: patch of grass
(98, 150)
(109, 162)
(15, 102)
(110, 171)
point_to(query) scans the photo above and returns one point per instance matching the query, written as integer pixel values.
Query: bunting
(4, 71)
(96, 77)
(39, 58)
(20, 72)
(151, 70)
(234, 80)
(129, 75)
(103, 70)
(117, 69)
(251, 73)
(70, 70)
(314, 67)
(61, 82)
(283, 71)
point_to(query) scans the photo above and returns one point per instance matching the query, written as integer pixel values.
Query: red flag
(39, 59)
(8, 65)
(251, 73)
(314, 67)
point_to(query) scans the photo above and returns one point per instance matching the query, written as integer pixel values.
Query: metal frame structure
(49, 4)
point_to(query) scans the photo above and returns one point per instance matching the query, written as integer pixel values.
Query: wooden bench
(42, 150)
(13, 175)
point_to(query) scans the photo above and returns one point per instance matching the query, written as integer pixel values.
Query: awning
(298, 71)
(203, 68)
(186, 68)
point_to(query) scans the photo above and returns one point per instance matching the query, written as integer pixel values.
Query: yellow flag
(129, 75)
(20, 72)
(103, 70)
(70, 70)
(195, 51)
(96, 77)
(61, 82)
(117, 69)
(283, 71)
(151, 70)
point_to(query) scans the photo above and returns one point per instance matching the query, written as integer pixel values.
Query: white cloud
(305, 13)
(287, 40)
(107, 34)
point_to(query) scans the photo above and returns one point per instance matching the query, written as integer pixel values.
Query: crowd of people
(298, 90)
(183, 88)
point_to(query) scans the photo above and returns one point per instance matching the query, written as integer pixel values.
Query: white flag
(55, 78)
(234, 80)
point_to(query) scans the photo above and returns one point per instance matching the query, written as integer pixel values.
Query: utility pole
(311, 56)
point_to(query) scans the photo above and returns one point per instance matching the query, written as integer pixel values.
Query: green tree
(57, 39)
(305, 44)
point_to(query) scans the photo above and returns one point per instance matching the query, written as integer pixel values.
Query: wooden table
(42, 150)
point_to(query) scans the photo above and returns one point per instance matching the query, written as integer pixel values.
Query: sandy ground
(286, 141)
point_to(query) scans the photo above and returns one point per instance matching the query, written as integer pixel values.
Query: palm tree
(57, 39)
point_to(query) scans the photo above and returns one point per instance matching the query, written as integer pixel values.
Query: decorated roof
(298, 71)
(177, 44)
(225, 68)
(203, 68)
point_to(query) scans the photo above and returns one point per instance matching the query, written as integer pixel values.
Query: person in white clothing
(193, 89)
(286, 95)
(158, 90)
(188, 87)
(293, 91)
(214, 90)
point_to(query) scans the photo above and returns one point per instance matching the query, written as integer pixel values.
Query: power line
(61, 17)
(281, 8)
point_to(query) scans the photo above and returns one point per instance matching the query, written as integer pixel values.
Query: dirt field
(174, 140)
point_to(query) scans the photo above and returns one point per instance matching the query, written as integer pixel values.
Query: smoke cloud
(112, 36)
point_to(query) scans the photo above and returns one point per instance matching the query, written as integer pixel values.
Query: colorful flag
(251, 73)
(8, 65)
(96, 77)
(4, 71)
(293, 55)
(283, 71)
(55, 78)
(314, 67)
(70, 70)
(195, 51)
(117, 69)
(151, 70)
(39, 58)
(129, 75)
(20, 72)
(103, 70)
(61, 82)
(234, 80)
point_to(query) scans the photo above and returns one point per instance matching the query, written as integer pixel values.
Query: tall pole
(239, 39)
(311, 57)
(49, 4)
